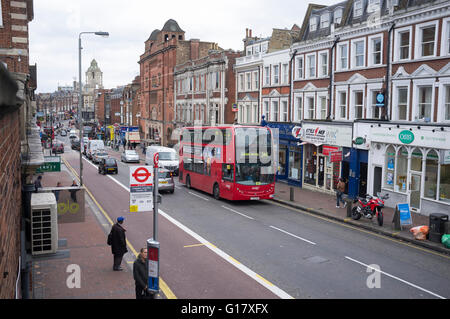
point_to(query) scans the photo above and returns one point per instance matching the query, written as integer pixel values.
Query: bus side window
(227, 172)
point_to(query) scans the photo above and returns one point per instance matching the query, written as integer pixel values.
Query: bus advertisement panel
(234, 163)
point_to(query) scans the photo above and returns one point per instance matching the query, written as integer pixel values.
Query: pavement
(83, 244)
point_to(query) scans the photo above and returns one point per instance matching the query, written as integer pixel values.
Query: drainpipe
(292, 86)
(330, 99)
(388, 71)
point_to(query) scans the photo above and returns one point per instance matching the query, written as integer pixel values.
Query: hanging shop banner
(319, 134)
(336, 156)
(141, 189)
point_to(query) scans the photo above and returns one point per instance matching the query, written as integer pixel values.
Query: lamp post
(80, 101)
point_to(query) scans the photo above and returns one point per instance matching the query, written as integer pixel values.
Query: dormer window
(357, 8)
(313, 24)
(324, 20)
(338, 16)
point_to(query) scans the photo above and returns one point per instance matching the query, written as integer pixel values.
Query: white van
(92, 146)
(168, 157)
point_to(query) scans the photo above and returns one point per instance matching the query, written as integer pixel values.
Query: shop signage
(339, 135)
(389, 134)
(326, 149)
(336, 156)
(406, 137)
(405, 214)
(297, 132)
(359, 140)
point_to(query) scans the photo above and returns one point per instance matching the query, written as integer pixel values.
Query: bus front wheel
(216, 191)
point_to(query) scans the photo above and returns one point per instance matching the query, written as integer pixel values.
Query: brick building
(164, 49)
(205, 89)
(19, 155)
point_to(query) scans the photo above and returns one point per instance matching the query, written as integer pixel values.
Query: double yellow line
(163, 285)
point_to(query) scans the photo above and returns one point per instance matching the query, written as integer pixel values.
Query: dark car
(58, 147)
(75, 145)
(108, 165)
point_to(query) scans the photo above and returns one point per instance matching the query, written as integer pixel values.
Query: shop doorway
(414, 192)
(377, 173)
(345, 174)
(362, 179)
(321, 171)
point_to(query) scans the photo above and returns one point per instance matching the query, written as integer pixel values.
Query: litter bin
(437, 226)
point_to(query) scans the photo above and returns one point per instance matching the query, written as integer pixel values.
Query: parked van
(92, 146)
(168, 157)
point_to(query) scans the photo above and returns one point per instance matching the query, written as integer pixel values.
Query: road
(220, 249)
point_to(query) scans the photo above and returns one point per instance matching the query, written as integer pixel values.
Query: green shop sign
(51, 164)
(406, 137)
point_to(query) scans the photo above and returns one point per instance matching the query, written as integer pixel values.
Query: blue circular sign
(380, 98)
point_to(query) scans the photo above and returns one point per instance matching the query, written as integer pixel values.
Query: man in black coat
(118, 243)
(140, 274)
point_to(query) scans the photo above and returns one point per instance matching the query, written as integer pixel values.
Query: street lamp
(80, 101)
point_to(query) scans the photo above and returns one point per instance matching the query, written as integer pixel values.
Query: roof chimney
(246, 32)
(250, 33)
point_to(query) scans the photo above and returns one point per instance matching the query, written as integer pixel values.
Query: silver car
(98, 155)
(130, 156)
(165, 181)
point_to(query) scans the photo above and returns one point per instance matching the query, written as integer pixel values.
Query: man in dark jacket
(118, 243)
(140, 274)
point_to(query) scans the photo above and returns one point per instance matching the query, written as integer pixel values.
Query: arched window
(431, 175)
(389, 167)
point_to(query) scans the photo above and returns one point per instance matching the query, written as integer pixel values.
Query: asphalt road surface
(221, 249)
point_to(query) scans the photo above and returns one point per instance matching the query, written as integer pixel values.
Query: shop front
(409, 162)
(326, 153)
(289, 153)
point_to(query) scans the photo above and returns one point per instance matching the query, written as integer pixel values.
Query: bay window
(311, 59)
(424, 105)
(275, 111)
(299, 65)
(402, 103)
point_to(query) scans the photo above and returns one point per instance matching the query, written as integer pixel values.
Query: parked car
(129, 156)
(165, 181)
(107, 165)
(98, 155)
(75, 144)
(58, 147)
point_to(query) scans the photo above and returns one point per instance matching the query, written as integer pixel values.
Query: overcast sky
(56, 25)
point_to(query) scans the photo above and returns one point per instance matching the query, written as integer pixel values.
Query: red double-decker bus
(230, 162)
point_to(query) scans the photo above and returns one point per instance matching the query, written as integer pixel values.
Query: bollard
(349, 207)
(291, 194)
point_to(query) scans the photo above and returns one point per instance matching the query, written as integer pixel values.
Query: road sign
(51, 164)
(156, 159)
(141, 188)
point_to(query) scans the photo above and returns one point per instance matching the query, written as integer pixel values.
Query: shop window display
(402, 170)
(444, 186)
(294, 164)
(310, 164)
(390, 167)
(431, 175)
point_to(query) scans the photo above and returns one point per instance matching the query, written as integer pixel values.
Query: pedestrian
(56, 192)
(140, 274)
(340, 189)
(37, 183)
(118, 243)
(73, 192)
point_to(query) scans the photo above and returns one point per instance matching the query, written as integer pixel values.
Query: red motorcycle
(369, 207)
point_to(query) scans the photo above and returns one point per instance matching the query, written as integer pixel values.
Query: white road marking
(274, 289)
(277, 291)
(396, 278)
(235, 211)
(206, 199)
(283, 231)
